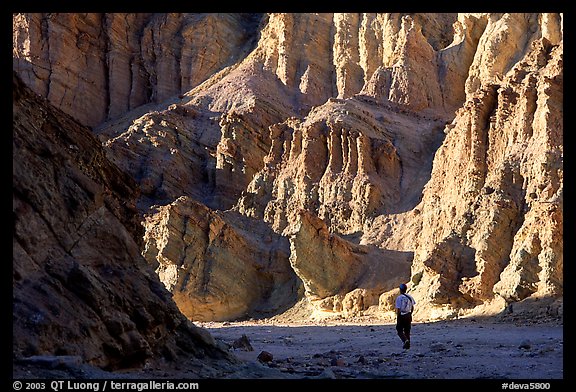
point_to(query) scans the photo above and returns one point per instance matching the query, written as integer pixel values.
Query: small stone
(337, 362)
(525, 344)
(243, 343)
(265, 356)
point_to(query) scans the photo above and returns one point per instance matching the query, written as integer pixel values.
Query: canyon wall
(496, 227)
(432, 141)
(80, 285)
(96, 67)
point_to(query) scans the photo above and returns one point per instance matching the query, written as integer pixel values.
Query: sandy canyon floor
(464, 349)
(459, 349)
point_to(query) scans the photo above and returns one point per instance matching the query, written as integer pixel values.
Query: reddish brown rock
(265, 357)
(80, 286)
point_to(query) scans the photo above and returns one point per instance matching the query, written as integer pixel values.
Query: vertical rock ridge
(129, 50)
(435, 135)
(498, 199)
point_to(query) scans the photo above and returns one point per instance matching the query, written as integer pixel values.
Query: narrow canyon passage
(181, 180)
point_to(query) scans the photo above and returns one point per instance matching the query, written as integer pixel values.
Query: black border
(337, 6)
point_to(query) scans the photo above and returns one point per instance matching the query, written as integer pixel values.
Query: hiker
(404, 307)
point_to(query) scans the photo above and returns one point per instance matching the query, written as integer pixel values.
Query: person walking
(404, 307)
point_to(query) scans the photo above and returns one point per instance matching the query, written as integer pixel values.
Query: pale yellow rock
(344, 276)
(218, 266)
(435, 137)
(507, 212)
(96, 67)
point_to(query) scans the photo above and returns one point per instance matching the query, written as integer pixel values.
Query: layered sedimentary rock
(80, 285)
(219, 266)
(341, 164)
(207, 145)
(496, 227)
(96, 67)
(432, 135)
(169, 153)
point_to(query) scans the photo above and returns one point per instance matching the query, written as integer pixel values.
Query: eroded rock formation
(96, 67)
(501, 232)
(339, 275)
(219, 265)
(437, 136)
(342, 164)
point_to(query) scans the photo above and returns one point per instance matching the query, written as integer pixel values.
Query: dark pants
(403, 324)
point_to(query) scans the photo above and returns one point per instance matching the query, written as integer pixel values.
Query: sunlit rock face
(219, 265)
(432, 138)
(97, 67)
(493, 209)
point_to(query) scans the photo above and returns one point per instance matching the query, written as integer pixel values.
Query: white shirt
(405, 303)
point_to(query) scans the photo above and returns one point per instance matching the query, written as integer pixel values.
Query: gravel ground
(459, 349)
(463, 349)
